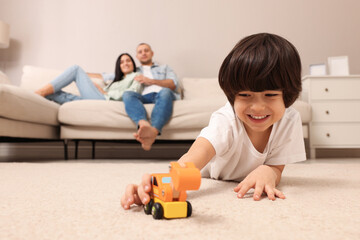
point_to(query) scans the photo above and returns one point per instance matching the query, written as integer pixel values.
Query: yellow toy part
(168, 192)
(170, 209)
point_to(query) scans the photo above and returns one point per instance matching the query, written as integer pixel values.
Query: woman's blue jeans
(162, 111)
(83, 82)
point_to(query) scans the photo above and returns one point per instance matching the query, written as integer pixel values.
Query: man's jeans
(162, 110)
(74, 74)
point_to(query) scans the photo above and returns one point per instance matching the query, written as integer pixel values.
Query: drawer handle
(328, 134)
(327, 112)
(326, 90)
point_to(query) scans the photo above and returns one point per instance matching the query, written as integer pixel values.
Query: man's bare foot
(146, 134)
(46, 90)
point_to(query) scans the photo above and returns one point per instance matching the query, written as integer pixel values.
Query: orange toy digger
(168, 193)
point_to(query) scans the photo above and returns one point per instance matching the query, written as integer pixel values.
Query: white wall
(192, 36)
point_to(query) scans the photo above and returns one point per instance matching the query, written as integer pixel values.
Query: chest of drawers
(335, 103)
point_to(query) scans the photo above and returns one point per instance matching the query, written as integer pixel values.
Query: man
(160, 85)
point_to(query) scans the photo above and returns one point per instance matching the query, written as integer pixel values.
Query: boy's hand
(262, 179)
(137, 194)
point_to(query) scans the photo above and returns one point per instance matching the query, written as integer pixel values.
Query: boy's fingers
(243, 190)
(128, 198)
(144, 189)
(143, 196)
(259, 188)
(279, 194)
(146, 182)
(130, 191)
(123, 202)
(270, 193)
(238, 187)
(137, 200)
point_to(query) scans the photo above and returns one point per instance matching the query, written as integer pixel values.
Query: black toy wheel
(147, 207)
(157, 211)
(189, 209)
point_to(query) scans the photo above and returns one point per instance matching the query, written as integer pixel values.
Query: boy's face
(259, 110)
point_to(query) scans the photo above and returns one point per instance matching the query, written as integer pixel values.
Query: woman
(123, 80)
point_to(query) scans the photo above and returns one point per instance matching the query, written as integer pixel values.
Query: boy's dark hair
(262, 62)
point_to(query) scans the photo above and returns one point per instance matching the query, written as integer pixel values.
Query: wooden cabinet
(335, 103)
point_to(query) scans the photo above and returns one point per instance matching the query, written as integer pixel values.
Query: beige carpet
(80, 200)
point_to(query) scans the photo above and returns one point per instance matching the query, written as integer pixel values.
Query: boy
(256, 133)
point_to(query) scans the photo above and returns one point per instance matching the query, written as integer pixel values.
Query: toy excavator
(168, 193)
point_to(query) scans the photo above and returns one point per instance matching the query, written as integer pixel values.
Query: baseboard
(338, 153)
(42, 151)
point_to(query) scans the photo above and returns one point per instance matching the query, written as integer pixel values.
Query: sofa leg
(66, 156)
(76, 148)
(93, 149)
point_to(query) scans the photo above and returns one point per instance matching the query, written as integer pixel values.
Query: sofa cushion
(199, 88)
(34, 78)
(94, 113)
(23, 105)
(187, 114)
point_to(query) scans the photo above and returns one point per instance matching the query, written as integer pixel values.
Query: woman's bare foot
(146, 134)
(46, 90)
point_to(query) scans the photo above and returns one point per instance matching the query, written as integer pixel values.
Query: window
(166, 179)
(154, 181)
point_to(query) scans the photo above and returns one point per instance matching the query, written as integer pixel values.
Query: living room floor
(80, 199)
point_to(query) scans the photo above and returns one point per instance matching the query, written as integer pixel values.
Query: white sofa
(24, 114)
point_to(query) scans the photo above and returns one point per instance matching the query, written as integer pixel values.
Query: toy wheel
(147, 207)
(157, 211)
(189, 209)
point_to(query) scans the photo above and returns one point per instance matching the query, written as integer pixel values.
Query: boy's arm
(263, 179)
(200, 153)
(278, 169)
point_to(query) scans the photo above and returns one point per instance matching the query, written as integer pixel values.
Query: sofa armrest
(304, 109)
(23, 105)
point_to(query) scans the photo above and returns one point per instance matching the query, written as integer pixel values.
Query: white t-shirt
(150, 88)
(236, 156)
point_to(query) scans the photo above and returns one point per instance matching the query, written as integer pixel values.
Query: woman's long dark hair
(119, 75)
